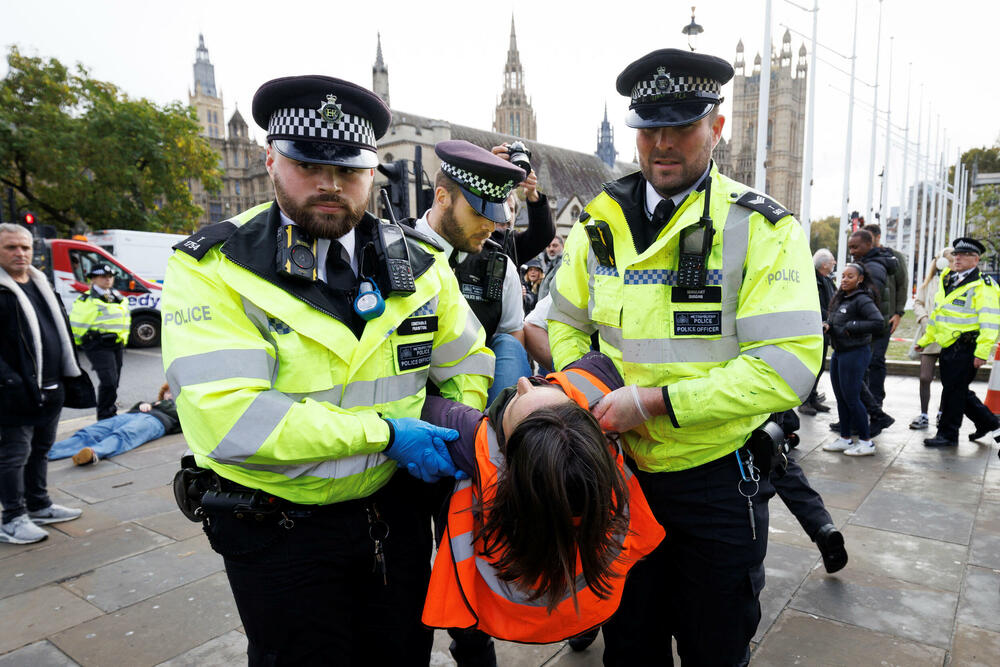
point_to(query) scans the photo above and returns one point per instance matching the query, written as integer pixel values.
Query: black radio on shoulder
(496, 271)
(695, 245)
(394, 262)
(296, 254)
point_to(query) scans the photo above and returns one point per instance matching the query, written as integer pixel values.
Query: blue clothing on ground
(847, 373)
(511, 365)
(112, 436)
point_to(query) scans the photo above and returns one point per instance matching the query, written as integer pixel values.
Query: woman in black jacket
(853, 318)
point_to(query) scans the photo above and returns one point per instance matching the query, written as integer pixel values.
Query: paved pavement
(134, 583)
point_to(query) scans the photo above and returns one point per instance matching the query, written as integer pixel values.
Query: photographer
(528, 242)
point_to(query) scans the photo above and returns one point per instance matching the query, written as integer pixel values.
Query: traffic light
(28, 219)
(399, 187)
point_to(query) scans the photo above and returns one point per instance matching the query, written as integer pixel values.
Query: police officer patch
(414, 355)
(330, 111)
(698, 323)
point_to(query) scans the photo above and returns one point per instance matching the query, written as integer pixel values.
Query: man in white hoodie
(36, 353)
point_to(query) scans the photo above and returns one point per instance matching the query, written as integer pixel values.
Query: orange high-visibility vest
(465, 591)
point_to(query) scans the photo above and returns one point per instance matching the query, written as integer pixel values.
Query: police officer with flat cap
(965, 323)
(101, 322)
(299, 337)
(470, 195)
(700, 290)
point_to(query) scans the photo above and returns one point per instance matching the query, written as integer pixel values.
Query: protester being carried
(121, 433)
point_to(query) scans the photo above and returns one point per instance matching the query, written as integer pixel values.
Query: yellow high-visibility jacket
(91, 311)
(275, 393)
(746, 345)
(971, 306)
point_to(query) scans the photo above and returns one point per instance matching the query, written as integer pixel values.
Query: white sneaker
(20, 530)
(863, 448)
(54, 514)
(838, 445)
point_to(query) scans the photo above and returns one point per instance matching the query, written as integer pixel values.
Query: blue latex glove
(421, 448)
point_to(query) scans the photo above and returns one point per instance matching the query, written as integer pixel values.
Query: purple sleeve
(451, 414)
(600, 366)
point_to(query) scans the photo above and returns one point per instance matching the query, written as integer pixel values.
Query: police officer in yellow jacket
(965, 323)
(299, 337)
(101, 321)
(700, 291)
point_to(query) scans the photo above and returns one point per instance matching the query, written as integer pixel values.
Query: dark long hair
(865, 287)
(561, 494)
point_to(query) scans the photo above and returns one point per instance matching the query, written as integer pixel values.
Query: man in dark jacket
(528, 242)
(898, 289)
(824, 263)
(36, 352)
(880, 268)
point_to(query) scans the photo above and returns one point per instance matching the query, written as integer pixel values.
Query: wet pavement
(134, 583)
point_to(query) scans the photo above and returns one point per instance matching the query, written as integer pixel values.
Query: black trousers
(876, 367)
(107, 363)
(801, 499)
(957, 372)
(312, 595)
(702, 584)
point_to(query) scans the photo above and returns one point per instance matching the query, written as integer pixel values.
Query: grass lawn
(906, 329)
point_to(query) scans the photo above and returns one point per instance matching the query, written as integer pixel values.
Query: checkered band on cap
(478, 185)
(308, 124)
(667, 86)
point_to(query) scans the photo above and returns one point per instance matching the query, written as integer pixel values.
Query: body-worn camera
(520, 156)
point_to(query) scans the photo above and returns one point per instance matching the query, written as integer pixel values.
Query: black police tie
(663, 211)
(453, 258)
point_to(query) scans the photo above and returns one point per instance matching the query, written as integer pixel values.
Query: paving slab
(980, 605)
(975, 647)
(919, 560)
(839, 493)
(785, 568)
(930, 486)
(985, 550)
(879, 603)
(12, 550)
(962, 464)
(139, 505)
(803, 639)
(784, 528)
(39, 654)
(991, 483)
(70, 558)
(914, 514)
(64, 472)
(154, 630)
(122, 484)
(164, 450)
(508, 653)
(229, 649)
(91, 521)
(156, 571)
(36, 614)
(173, 524)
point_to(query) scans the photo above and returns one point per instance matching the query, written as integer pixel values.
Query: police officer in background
(701, 292)
(470, 194)
(298, 338)
(101, 321)
(965, 323)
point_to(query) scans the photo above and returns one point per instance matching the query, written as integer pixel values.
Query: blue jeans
(112, 436)
(512, 364)
(847, 373)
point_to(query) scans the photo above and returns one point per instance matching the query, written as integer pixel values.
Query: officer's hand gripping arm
(420, 448)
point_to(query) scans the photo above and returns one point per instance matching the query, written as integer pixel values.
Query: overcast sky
(446, 60)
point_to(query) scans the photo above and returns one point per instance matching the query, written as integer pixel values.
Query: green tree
(983, 221)
(823, 233)
(79, 152)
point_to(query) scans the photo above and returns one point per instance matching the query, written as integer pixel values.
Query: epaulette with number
(986, 279)
(764, 205)
(206, 238)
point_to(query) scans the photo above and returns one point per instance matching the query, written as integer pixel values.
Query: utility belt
(967, 338)
(769, 447)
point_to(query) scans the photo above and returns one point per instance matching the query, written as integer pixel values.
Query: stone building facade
(245, 182)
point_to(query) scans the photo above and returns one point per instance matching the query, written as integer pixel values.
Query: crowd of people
(590, 428)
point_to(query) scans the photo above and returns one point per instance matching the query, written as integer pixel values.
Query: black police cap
(484, 178)
(672, 87)
(103, 269)
(967, 245)
(321, 119)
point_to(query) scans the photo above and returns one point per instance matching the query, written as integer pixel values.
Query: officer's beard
(316, 224)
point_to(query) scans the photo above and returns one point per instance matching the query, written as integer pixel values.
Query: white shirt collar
(323, 247)
(959, 277)
(100, 291)
(653, 197)
(422, 225)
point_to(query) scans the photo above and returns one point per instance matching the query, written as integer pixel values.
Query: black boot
(831, 545)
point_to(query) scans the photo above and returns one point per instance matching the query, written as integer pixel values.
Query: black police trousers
(957, 372)
(801, 499)
(313, 594)
(107, 363)
(702, 584)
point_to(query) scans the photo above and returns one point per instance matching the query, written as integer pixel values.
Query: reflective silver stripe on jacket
(564, 311)
(788, 324)
(481, 363)
(329, 469)
(590, 390)
(258, 318)
(384, 389)
(253, 427)
(798, 377)
(454, 350)
(219, 365)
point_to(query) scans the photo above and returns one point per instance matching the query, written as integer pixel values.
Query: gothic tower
(785, 122)
(205, 98)
(514, 114)
(380, 74)
(606, 141)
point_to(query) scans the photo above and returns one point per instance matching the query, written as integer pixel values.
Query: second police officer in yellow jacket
(101, 321)
(700, 291)
(299, 337)
(965, 322)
